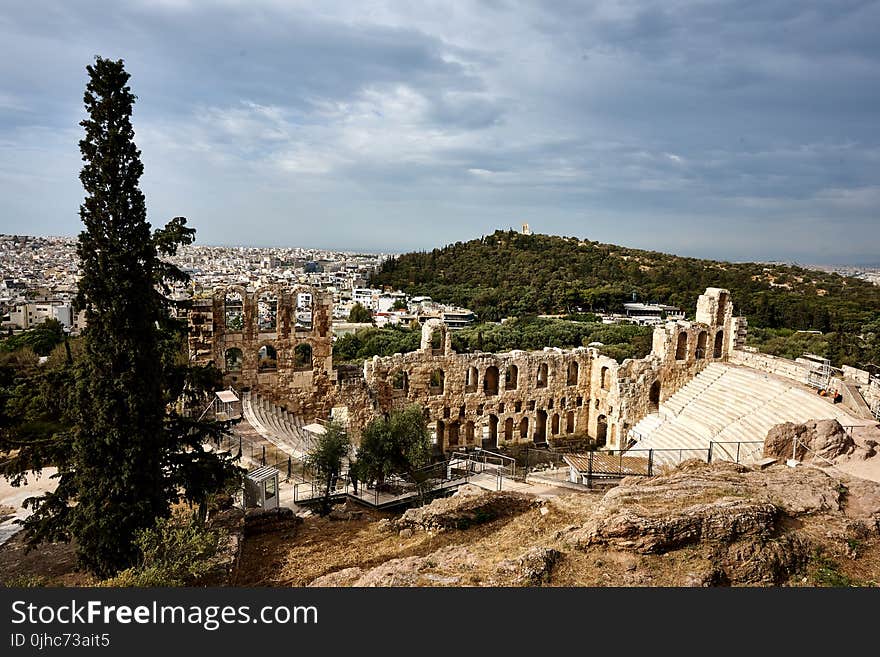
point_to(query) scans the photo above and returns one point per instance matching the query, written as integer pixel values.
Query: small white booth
(261, 488)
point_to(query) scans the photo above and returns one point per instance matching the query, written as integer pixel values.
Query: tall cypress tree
(117, 442)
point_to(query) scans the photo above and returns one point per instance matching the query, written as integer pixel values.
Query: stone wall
(472, 399)
(772, 364)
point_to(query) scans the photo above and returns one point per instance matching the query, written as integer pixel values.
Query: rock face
(465, 510)
(818, 440)
(532, 568)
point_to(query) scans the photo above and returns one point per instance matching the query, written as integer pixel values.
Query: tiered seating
(279, 427)
(725, 403)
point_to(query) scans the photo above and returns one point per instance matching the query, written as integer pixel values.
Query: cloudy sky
(737, 130)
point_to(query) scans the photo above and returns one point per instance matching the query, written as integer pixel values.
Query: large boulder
(465, 510)
(817, 440)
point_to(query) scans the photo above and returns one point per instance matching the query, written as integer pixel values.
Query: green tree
(399, 443)
(360, 315)
(326, 457)
(123, 458)
(399, 304)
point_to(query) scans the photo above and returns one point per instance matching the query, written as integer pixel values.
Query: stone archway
(601, 431)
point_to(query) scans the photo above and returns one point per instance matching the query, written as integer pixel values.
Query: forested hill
(510, 274)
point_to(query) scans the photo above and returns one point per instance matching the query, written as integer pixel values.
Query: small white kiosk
(261, 488)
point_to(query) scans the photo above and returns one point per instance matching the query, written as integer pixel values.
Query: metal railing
(615, 464)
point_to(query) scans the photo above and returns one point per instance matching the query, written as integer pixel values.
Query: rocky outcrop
(532, 568)
(817, 441)
(727, 519)
(471, 506)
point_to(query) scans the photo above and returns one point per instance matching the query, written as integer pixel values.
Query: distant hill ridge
(511, 274)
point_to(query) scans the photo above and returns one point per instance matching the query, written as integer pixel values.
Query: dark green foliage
(325, 459)
(175, 552)
(42, 339)
(114, 414)
(360, 315)
(368, 342)
(397, 444)
(529, 333)
(507, 274)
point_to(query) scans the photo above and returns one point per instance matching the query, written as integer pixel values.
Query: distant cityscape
(38, 281)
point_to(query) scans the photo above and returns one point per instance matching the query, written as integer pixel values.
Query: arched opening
(470, 379)
(722, 308)
(510, 377)
(681, 346)
(541, 427)
(702, 339)
(436, 384)
(234, 359)
(437, 340)
(603, 378)
(524, 428)
(400, 381)
(569, 422)
(267, 312)
(508, 430)
(441, 426)
(541, 381)
(304, 308)
(267, 359)
(302, 357)
(719, 344)
(654, 395)
(233, 311)
(469, 432)
(492, 440)
(601, 431)
(490, 381)
(554, 424)
(452, 434)
(573, 371)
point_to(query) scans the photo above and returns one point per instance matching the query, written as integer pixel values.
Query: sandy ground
(13, 498)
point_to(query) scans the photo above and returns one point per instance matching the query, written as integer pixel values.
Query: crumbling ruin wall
(472, 399)
(257, 340)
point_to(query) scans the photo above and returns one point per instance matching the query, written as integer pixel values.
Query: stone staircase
(726, 403)
(279, 427)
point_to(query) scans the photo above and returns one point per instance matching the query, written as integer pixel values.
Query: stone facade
(472, 399)
(260, 341)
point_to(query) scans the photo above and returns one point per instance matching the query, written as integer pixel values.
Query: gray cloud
(748, 129)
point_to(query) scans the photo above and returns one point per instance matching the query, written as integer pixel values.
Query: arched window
(267, 312)
(603, 378)
(554, 424)
(569, 422)
(492, 440)
(452, 433)
(702, 339)
(524, 428)
(508, 429)
(573, 371)
(304, 308)
(654, 394)
(490, 381)
(601, 431)
(469, 432)
(400, 381)
(436, 383)
(510, 377)
(234, 359)
(541, 382)
(719, 344)
(681, 346)
(234, 311)
(302, 357)
(267, 359)
(470, 380)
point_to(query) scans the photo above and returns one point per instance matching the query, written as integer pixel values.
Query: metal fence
(587, 467)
